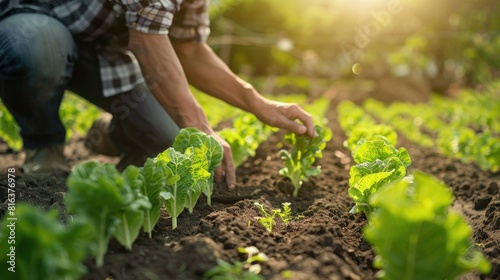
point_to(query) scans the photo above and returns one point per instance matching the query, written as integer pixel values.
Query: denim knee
(37, 49)
(37, 55)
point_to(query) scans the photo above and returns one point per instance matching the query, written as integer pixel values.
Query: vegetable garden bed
(326, 243)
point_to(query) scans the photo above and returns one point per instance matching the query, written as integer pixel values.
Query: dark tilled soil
(326, 243)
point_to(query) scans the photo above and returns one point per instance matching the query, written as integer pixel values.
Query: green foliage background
(435, 39)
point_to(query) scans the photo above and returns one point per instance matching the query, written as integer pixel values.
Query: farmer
(134, 59)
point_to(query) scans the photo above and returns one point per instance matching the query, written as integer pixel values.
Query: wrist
(252, 99)
(198, 120)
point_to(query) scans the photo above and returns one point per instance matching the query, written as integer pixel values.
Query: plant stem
(128, 244)
(148, 223)
(174, 211)
(101, 244)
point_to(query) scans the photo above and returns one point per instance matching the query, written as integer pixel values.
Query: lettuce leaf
(134, 204)
(415, 237)
(181, 189)
(106, 198)
(192, 137)
(155, 177)
(379, 163)
(305, 150)
(44, 248)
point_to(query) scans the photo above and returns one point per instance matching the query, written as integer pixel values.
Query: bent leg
(140, 127)
(37, 53)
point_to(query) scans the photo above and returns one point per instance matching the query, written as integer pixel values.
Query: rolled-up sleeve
(192, 22)
(152, 17)
(186, 20)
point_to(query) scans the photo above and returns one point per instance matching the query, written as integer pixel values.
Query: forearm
(166, 80)
(207, 72)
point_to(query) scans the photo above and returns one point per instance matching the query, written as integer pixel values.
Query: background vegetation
(444, 42)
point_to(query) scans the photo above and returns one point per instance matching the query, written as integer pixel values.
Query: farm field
(325, 243)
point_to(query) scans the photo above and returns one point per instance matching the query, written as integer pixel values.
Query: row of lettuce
(105, 203)
(467, 127)
(413, 234)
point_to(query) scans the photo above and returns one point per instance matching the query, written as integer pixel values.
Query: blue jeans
(39, 60)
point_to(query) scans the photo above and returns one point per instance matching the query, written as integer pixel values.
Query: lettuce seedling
(305, 150)
(378, 163)
(42, 248)
(247, 270)
(192, 137)
(109, 200)
(183, 188)
(135, 204)
(155, 176)
(414, 235)
(268, 220)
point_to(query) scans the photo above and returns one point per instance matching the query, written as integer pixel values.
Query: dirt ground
(326, 244)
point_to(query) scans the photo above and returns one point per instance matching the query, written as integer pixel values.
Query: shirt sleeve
(186, 20)
(152, 17)
(192, 22)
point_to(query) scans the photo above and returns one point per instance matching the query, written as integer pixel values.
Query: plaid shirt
(105, 22)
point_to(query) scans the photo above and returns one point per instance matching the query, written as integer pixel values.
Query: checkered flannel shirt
(105, 22)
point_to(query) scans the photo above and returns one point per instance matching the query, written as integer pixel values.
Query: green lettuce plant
(42, 248)
(305, 150)
(378, 163)
(155, 177)
(414, 235)
(247, 270)
(190, 174)
(192, 137)
(135, 204)
(109, 200)
(268, 220)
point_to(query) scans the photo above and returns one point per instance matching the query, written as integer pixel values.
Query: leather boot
(98, 139)
(45, 161)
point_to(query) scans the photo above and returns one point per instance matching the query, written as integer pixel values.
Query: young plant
(414, 235)
(42, 248)
(268, 220)
(183, 188)
(109, 200)
(378, 163)
(192, 137)
(135, 204)
(305, 150)
(247, 270)
(155, 177)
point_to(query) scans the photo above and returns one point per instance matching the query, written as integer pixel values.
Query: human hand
(226, 168)
(284, 115)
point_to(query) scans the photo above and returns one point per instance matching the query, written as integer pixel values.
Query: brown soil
(326, 244)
